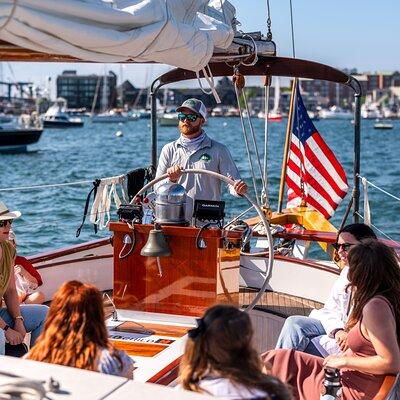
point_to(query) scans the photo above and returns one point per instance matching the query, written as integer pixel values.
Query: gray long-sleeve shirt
(211, 156)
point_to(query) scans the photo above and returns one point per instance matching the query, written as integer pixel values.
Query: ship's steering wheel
(264, 221)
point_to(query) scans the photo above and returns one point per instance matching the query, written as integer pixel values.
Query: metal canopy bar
(273, 66)
(278, 66)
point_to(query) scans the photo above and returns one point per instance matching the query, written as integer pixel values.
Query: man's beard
(189, 130)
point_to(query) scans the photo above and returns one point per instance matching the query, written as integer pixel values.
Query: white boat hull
(110, 119)
(303, 276)
(85, 263)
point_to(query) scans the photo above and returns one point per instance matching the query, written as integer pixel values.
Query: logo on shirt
(205, 157)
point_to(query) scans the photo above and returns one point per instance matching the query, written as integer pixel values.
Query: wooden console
(191, 278)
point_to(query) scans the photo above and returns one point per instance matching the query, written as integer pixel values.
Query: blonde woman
(15, 319)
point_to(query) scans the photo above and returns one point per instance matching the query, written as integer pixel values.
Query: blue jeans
(297, 333)
(34, 317)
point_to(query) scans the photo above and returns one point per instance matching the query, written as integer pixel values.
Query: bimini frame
(275, 66)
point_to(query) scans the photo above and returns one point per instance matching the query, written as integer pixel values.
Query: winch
(170, 204)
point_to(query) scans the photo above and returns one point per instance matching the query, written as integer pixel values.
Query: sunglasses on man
(190, 117)
(4, 222)
(344, 246)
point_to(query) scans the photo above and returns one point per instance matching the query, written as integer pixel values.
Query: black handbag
(17, 350)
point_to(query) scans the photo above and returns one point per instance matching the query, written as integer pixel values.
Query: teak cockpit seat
(390, 389)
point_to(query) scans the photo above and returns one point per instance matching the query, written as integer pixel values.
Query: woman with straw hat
(15, 320)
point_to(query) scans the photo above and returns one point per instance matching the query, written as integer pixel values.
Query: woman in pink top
(373, 331)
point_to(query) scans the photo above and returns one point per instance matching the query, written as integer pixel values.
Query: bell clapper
(159, 267)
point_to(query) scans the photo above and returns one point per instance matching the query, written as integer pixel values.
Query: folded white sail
(182, 33)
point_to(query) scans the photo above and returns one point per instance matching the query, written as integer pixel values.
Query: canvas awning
(183, 33)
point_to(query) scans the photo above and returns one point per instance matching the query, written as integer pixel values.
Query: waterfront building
(81, 91)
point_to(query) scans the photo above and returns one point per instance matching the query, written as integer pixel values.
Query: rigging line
(292, 27)
(269, 32)
(237, 217)
(246, 141)
(253, 136)
(53, 221)
(45, 186)
(380, 189)
(374, 226)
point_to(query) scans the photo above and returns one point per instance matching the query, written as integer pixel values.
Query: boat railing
(390, 388)
(367, 209)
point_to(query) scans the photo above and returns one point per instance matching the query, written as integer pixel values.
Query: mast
(104, 102)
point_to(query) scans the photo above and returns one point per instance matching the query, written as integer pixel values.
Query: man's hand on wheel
(174, 173)
(240, 187)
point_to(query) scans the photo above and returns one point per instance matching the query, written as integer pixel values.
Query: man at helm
(194, 149)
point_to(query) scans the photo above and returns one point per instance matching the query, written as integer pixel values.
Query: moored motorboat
(383, 125)
(57, 116)
(168, 119)
(16, 136)
(335, 112)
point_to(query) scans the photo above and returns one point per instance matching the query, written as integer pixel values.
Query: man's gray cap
(196, 105)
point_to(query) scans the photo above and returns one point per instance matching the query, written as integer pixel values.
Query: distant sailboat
(107, 116)
(274, 115)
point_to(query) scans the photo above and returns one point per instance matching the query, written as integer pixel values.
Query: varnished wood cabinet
(191, 278)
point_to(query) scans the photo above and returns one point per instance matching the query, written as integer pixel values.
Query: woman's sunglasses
(344, 246)
(189, 117)
(5, 222)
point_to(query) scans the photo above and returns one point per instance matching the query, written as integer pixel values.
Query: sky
(362, 34)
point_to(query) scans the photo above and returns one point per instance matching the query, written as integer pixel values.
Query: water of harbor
(51, 216)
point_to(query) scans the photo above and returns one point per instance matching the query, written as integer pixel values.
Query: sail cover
(182, 33)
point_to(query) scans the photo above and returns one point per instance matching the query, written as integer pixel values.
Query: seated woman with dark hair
(219, 359)
(373, 331)
(75, 334)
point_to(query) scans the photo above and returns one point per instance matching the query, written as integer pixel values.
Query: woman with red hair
(75, 334)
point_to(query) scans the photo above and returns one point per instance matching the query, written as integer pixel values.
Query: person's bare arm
(379, 326)
(12, 304)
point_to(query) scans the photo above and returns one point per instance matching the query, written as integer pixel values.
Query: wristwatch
(19, 317)
(5, 327)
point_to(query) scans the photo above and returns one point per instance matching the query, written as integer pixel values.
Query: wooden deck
(280, 304)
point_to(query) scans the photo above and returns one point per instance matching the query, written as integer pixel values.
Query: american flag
(312, 166)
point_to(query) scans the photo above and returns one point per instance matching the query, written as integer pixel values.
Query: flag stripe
(331, 157)
(320, 174)
(326, 166)
(319, 189)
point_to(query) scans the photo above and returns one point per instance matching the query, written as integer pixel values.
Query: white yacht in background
(232, 112)
(57, 117)
(335, 112)
(144, 113)
(168, 119)
(370, 111)
(217, 112)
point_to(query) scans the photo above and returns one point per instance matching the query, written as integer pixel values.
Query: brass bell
(156, 245)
